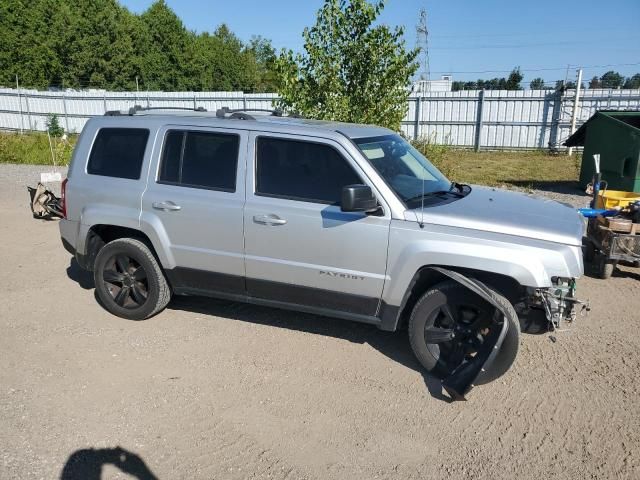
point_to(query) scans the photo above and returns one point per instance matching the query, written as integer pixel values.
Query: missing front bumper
(559, 302)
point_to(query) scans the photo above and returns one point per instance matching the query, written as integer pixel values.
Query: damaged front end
(559, 302)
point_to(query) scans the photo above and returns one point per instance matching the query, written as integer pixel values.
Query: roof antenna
(421, 222)
(422, 41)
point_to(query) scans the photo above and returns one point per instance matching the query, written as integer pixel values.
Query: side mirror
(358, 198)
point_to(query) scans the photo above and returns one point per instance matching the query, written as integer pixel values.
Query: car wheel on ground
(605, 267)
(449, 324)
(129, 281)
(589, 252)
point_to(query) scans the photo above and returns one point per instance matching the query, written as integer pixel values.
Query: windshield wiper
(459, 186)
(436, 193)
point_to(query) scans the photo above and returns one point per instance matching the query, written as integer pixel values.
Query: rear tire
(467, 312)
(605, 267)
(129, 280)
(589, 252)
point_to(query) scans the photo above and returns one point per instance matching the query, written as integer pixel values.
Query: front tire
(129, 281)
(449, 323)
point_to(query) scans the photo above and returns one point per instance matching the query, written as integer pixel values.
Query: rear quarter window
(118, 152)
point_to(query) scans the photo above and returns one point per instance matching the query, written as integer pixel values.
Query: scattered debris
(44, 203)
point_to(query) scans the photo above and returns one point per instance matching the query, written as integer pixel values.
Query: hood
(511, 213)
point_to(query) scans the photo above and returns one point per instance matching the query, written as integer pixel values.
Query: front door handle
(166, 206)
(270, 219)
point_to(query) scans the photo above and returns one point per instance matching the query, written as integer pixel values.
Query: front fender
(531, 263)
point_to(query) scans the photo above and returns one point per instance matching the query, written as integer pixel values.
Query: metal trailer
(606, 247)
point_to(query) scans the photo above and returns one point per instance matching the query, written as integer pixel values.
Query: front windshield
(403, 167)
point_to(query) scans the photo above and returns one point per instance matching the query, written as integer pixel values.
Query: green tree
(611, 79)
(537, 84)
(513, 82)
(265, 58)
(595, 82)
(633, 82)
(53, 126)
(352, 70)
(165, 47)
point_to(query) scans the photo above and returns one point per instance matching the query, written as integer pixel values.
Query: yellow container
(608, 199)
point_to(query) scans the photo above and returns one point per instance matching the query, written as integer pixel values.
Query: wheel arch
(100, 234)
(425, 277)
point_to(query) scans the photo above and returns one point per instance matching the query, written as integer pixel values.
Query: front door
(300, 247)
(197, 194)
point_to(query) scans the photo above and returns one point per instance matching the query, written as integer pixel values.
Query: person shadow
(86, 464)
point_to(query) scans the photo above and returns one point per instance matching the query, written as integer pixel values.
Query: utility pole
(137, 86)
(20, 104)
(574, 115)
(422, 42)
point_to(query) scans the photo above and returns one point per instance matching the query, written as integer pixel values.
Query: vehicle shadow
(394, 345)
(86, 464)
(82, 277)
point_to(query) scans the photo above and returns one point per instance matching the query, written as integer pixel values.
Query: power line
(541, 69)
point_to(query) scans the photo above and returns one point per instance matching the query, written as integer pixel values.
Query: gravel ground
(214, 389)
(569, 195)
(17, 177)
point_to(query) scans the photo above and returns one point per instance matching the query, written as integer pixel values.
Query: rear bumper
(68, 247)
(69, 232)
(69, 236)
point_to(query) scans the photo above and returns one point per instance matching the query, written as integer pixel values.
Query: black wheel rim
(455, 332)
(126, 281)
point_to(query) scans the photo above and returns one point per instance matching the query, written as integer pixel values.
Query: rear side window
(298, 170)
(118, 152)
(200, 160)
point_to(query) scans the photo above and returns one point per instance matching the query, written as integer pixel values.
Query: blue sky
(466, 37)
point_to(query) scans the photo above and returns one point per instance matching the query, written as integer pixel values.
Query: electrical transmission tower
(422, 42)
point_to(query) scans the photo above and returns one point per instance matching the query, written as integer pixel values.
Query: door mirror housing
(358, 198)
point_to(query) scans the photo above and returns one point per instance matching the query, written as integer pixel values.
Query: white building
(424, 86)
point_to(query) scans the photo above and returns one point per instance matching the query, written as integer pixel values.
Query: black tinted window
(301, 170)
(118, 152)
(200, 159)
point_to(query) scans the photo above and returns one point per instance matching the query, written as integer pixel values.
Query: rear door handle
(166, 206)
(270, 219)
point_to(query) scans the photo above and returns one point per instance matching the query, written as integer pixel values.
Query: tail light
(63, 198)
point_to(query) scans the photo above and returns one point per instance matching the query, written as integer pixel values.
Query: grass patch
(526, 169)
(33, 148)
(523, 169)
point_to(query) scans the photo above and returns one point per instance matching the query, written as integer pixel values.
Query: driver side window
(301, 170)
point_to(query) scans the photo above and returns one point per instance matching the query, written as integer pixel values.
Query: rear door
(197, 195)
(300, 247)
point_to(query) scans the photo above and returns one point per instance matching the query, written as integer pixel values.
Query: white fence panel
(474, 119)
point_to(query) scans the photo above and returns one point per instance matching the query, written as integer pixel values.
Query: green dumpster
(615, 136)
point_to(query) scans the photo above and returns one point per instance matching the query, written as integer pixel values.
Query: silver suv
(335, 219)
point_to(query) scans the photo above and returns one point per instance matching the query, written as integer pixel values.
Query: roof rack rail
(240, 113)
(139, 108)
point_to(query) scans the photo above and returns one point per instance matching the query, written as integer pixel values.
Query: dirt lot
(218, 390)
